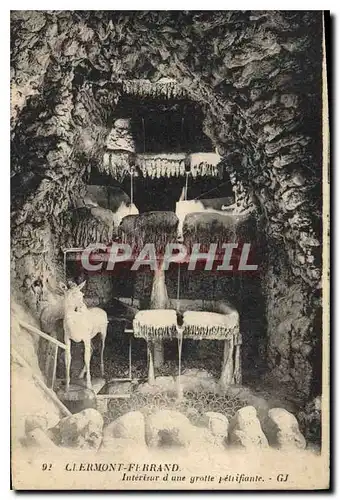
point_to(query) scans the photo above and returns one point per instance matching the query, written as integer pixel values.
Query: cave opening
(161, 127)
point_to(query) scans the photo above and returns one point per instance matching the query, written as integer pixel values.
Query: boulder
(245, 429)
(167, 428)
(130, 426)
(217, 423)
(83, 430)
(282, 430)
(292, 199)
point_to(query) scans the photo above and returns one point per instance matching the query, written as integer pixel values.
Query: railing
(61, 345)
(57, 344)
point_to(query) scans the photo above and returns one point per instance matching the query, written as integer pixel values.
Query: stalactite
(145, 88)
(117, 164)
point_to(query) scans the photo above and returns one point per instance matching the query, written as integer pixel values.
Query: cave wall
(257, 76)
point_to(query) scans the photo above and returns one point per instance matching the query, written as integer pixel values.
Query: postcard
(170, 218)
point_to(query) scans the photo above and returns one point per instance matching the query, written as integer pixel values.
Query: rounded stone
(84, 430)
(245, 430)
(282, 430)
(217, 423)
(167, 428)
(131, 426)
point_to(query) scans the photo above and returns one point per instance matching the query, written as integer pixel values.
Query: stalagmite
(159, 300)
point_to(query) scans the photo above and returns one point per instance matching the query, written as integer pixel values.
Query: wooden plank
(97, 384)
(113, 396)
(32, 329)
(130, 358)
(42, 384)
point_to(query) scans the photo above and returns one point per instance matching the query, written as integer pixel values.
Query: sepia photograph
(170, 243)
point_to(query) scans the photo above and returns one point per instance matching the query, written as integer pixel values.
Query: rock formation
(257, 77)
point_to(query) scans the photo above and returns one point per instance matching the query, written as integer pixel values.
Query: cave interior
(253, 99)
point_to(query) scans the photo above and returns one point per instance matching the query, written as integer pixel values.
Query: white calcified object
(82, 324)
(202, 324)
(196, 159)
(105, 215)
(205, 318)
(205, 164)
(162, 323)
(123, 211)
(156, 317)
(113, 219)
(185, 207)
(163, 87)
(155, 323)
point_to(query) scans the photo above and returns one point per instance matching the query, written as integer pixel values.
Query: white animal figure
(185, 207)
(81, 324)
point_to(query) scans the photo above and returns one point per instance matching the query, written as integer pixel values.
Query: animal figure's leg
(82, 373)
(68, 362)
(103, 336)
(87, 360)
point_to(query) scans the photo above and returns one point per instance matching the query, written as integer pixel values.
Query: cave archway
(260, 103)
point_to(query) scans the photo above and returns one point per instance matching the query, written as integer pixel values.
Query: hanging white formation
(164, 88)
(117, 164)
